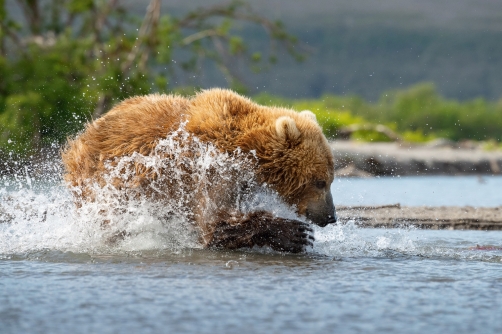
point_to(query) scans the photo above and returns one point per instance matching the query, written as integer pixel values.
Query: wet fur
(289, 149)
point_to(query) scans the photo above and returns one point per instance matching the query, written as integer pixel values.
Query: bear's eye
(320, 184)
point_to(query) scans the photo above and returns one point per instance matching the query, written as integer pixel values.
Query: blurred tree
(66, 61)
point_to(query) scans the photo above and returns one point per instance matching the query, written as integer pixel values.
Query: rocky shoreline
(359, 159)
(435, 218)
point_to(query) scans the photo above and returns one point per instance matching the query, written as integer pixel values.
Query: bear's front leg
(260, 228)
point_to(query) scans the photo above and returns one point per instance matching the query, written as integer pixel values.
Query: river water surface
(56, 275)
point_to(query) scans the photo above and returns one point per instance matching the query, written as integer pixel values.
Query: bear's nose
(332, 219)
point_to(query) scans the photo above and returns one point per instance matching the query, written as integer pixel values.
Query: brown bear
(284, 150)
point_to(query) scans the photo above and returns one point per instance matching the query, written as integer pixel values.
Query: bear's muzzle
(322, 212)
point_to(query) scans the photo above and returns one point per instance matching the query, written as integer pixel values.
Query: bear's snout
(332, 219)
(322, 212)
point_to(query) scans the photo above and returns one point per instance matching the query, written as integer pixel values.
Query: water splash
(348, 240)
(38, 213)
(37, 210)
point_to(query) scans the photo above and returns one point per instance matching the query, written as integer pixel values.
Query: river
(57, 277)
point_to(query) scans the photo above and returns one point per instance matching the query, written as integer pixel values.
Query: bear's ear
(309, 114)
(286, 128)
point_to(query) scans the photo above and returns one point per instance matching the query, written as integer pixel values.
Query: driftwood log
(436, 218)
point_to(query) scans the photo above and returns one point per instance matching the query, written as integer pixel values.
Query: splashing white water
(348, 240)
(38, 212)
(36, 215)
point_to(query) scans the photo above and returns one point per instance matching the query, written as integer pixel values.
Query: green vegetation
(332, 119)
(65, 62)
(416, 114)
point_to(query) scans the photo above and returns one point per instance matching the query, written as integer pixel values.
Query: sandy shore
(365, 159)
(437, 218)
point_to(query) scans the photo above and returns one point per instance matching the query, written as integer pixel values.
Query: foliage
(331, 119)
(335, 120)
(417, 114)
(421, 109)
(67, 61)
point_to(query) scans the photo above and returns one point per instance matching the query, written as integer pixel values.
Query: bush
(330, 119)
(65, 62)
(417, 114)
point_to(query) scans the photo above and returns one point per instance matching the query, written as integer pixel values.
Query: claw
(302, 235)
(305, 227)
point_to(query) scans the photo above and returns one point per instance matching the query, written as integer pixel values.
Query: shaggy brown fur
(293, 157)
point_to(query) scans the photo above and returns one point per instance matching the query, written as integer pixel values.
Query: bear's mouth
(331, 219)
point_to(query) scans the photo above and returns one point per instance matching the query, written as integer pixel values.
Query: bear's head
(294, 157)
(298, 163)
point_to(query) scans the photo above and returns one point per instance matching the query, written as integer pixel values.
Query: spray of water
(38, 212)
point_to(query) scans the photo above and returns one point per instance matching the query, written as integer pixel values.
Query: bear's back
(134, 125)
